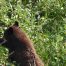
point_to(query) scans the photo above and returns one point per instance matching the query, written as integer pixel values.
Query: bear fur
(20, 47)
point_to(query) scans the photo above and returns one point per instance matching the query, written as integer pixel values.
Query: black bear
(20, 47)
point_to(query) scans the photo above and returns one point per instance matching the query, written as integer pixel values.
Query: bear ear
(16, 23)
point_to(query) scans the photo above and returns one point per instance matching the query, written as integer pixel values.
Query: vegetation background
(45, 23)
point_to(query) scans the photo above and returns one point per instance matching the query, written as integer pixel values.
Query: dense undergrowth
(45, 23)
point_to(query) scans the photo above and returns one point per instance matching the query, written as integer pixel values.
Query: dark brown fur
(21, 47)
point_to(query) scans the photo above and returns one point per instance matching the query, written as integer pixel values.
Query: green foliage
(45, 23)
